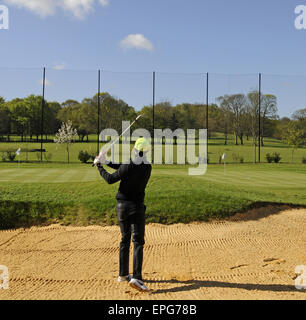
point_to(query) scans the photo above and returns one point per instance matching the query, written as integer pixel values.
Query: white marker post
(223, 158)
(18, 155)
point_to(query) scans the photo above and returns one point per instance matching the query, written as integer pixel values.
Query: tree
(300, 117)
(253, 113)
(280, 127)
(51, 123)
(66, 135)
(162, 115)
(146, 121)
(33, 112)
(86, 120)
(5, 118)
(225, 116)
(237, 104)
(19, 116)
(270, 128)
(294, 136)
(245, 129)
(268, 112)
(69, 103)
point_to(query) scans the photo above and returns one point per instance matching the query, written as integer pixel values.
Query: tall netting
(177, 88)
(63, 85)
(133, 92)
(250, 117)
(180, 105)
(289, 91)
(286, 95)
(131, 95)
(233, 118)
(71, 95)
(20, 113)
(134, 88)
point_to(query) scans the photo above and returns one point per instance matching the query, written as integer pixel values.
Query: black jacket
(133, 177)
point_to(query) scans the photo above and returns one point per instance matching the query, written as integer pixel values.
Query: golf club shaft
(119, 136)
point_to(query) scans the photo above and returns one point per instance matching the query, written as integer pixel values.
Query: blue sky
(174, 36)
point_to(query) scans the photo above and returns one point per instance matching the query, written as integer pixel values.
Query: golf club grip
(120, 136)
(104, 153)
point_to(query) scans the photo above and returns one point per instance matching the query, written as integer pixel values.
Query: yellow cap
(142, 144)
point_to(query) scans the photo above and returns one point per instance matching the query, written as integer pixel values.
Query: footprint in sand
(270, 261)
(238, 266)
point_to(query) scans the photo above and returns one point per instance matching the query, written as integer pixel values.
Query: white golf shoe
(124, 278)
(138, 285)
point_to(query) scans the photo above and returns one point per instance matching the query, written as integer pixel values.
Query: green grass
(76, 194)
(215, 149)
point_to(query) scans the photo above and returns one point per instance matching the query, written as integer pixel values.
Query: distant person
(131, 210)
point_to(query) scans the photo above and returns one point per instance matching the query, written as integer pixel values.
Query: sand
(250, 256)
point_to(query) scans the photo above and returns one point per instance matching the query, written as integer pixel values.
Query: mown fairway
(215, 150)
(32, 193)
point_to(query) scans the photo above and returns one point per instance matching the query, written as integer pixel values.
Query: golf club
(110, 146)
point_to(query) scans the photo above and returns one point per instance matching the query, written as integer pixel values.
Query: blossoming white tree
(66, 135)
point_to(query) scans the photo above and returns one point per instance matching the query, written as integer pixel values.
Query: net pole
(153, 105)
(259, 116)
(99, 103)
(207, 101)
(42, 113)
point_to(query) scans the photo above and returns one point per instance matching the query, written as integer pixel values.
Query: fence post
(153, 106)
(207, 101)
(42, 113)
(99, 91)
(259, 117)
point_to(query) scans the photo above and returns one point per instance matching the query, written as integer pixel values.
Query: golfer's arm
(113, 165)
(110, 178)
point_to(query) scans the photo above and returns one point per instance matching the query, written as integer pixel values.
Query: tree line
(236, 114)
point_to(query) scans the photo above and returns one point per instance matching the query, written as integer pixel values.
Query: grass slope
(37, 194)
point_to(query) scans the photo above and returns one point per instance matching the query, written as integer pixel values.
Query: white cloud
(79, 8)
(104, 3)
(41, 7)
(59, 66)
(137, 41)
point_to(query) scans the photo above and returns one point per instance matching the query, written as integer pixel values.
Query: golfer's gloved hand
(102, 159)
(97, 162)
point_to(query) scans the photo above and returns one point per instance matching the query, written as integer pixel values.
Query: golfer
(131, 210)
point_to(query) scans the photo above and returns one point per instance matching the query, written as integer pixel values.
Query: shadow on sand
(197, 284)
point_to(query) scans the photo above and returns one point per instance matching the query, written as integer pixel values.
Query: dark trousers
(131, 218)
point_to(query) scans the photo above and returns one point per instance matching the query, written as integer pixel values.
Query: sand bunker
(252, 258)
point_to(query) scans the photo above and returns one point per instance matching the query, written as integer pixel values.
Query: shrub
(84, 156)
(92, 156)
(48, 156)
(276, 157)
(3, 156)
(237, 158)
(269, 157)
(11, 155)
(304, 160)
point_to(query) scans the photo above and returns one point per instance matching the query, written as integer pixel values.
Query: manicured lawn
(45, 193)
(216, 148)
